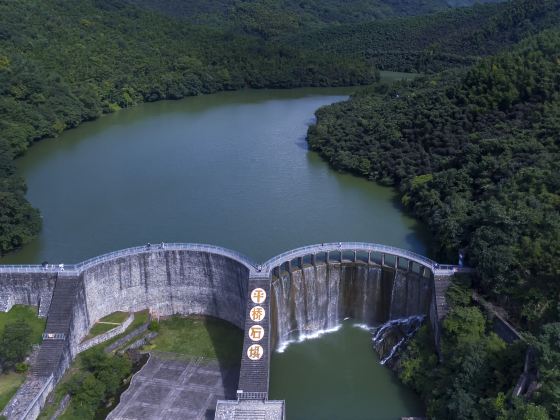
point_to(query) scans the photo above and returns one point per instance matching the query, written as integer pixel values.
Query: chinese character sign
(257, 314)
(256, 333)
(255, 352)
(258, 296)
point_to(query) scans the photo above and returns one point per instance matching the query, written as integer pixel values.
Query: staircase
(253, 378)
(243, 413)
(441, 284)
(58, 324)
(48, 358)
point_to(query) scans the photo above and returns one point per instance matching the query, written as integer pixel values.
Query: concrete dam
(288, 297)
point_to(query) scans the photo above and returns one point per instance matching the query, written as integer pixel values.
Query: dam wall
(27, 288)
(166, 282)
(317, 297)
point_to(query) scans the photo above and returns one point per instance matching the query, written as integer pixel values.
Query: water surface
(352, 386)
(230, 169)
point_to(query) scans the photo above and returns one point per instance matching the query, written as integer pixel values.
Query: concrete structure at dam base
(300, 291)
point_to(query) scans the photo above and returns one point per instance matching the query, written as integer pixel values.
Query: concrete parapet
(30, 398)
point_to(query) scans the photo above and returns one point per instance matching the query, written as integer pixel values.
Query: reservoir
(230, 169)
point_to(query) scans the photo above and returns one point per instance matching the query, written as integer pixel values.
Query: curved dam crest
(308, 289)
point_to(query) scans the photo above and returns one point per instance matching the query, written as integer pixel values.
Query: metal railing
(265, 268)
(348, 246)
(54, 336)
(263, 396)
(81, 266)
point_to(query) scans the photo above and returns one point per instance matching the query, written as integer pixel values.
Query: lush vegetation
(477, 370)
(475, 155)
(96, 378)
(435, 42)
(9, 384)
(194, 336)
(99, 380)
(19, 329)
(27, 314)
(295, 14)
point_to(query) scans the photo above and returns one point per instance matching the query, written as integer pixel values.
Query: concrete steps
(249, 414)
(60, 308)
(58, 325)
(441, 284)
(48, 357)
(253, 376)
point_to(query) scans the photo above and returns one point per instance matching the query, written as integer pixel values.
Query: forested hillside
(303, 12)
(476, 155)
(436, 42)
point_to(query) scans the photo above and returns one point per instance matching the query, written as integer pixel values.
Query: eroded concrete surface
(167, 388)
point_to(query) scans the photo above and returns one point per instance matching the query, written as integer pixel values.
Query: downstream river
(230, 169)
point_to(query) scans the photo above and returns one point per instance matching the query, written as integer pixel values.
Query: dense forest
(435, 42)
(475, 154)
(302, 13)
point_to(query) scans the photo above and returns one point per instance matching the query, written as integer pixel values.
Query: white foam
(303, 337)
(365, 327)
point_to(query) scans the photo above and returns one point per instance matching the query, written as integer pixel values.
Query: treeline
(62, 65)
(301, 13)
(477, 370)
(436, 42)
(97, 384)
(475, 155)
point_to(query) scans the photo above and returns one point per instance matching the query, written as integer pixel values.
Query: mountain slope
(433, 43)
(309, 12)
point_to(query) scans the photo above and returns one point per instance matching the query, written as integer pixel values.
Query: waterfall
(313, 300)
(391, 336)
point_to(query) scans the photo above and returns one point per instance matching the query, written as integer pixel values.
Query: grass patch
(9, 384)
(28, 314)
(99, 329)
(117, 317)
(200, 336)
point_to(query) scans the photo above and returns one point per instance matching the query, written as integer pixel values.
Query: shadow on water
(227, 340)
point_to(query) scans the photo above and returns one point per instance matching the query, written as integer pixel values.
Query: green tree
(548, 348)
(15, 343)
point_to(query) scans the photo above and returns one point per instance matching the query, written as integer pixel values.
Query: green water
(352, 384)
(230, 169)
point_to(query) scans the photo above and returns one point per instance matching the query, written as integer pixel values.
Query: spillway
(313, 298)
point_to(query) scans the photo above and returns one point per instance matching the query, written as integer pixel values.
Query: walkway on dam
(372, 249)
(253, 379)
